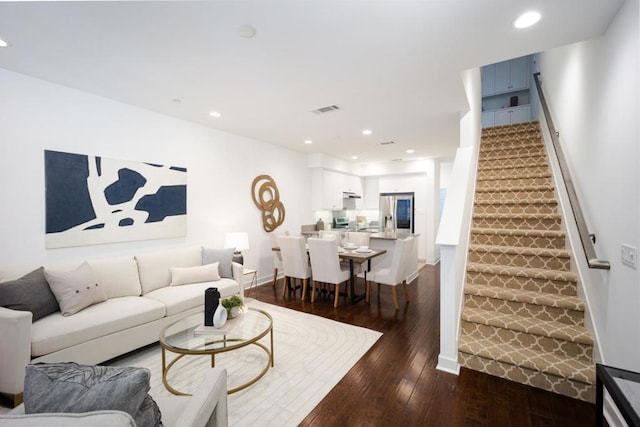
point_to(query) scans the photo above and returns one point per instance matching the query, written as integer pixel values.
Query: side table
(254, 278)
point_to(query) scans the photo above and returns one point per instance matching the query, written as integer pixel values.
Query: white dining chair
(277, 255)
(295, 262)
(326, 266)
(412, 259)
(395, 274)
(358, 238)
(330, 235)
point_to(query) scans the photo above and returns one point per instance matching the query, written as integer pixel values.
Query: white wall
(36, 115)
(455, 226)
(593, 91)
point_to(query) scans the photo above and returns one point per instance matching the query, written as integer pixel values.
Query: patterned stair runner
(522, 319)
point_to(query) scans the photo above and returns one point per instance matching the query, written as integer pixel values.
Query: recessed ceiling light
(410, 151)
(3, 43)
(527, 19)
(215, 114)
(354, 157)
(367, 132)
(246, 31)
(308, 141)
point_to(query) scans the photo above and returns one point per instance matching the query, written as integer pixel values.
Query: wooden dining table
(354, 257)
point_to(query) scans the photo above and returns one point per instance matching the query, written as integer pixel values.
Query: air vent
(386, 143)
(396, 160)
(327, 109)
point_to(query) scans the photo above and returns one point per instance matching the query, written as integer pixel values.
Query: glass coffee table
(180, 337)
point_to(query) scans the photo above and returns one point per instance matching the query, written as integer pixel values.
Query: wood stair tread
(535, 273)
(545, 328)
(524, 296)
(518, 250)
(576, 369)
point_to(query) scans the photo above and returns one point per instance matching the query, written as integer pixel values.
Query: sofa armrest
(238, 276)
(15, 351)
(207, 407)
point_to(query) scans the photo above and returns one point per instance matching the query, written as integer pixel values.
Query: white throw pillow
(153, 267)
(118, 276)
(199, 274)
(76, 289)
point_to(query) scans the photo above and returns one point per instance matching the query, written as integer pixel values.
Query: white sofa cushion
(197, 274)
(181, 298)
(76, 289)
(118, 275)
(153, 268)
(56, 332)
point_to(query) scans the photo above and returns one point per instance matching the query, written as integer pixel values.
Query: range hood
(349, 195)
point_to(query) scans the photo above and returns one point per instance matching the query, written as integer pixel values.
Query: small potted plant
(232, 304)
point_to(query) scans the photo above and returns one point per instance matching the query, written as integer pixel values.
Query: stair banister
(585, 237)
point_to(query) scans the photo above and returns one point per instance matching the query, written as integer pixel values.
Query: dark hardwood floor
(396, 383)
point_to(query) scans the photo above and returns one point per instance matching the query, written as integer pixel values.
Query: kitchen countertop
(393, 235)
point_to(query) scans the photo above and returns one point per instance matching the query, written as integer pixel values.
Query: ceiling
(392, 66)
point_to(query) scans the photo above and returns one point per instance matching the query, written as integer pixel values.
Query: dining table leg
(352, 282)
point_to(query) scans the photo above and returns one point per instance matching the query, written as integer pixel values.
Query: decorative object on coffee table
(233, 305)
(266, 197)
(211, 304)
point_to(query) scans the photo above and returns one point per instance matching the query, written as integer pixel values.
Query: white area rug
(311, 354)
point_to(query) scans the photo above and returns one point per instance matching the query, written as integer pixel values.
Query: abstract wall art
(266, 197)
(93, 200)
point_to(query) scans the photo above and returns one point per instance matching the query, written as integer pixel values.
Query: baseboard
(448, 365)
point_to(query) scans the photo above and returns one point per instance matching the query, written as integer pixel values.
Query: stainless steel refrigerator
(397, 211)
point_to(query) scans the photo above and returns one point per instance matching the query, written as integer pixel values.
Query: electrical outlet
(630, 256)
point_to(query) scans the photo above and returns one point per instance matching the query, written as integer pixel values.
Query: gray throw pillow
(31, 293)
(221, 256)
(70, 387)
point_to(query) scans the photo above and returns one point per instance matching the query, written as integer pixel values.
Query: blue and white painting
(93, 199)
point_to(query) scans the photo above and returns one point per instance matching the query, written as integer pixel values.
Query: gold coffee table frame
(215, 344)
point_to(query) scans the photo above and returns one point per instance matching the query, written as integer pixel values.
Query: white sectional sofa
(141, 300)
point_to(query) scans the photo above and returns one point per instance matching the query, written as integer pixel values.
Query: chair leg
(404, 287)
(395, 297)
(337, 292)
(367, 291)
(275, 278)
(305, 283)
(285, 284)
(313, 291)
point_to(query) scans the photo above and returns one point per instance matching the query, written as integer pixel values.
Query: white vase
(219, 316)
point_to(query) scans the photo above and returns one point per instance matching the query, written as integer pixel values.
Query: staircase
(522, 319)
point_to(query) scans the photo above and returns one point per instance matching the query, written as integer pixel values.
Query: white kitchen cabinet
(396, 184)
(328, 187)
(371, 193)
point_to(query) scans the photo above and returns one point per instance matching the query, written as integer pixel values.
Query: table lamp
(239, 241)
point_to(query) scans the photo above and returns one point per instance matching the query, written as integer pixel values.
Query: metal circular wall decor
(267, 198)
